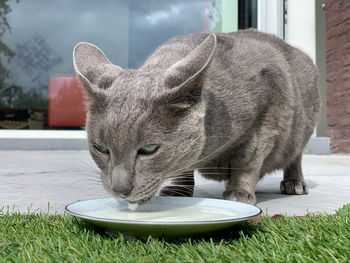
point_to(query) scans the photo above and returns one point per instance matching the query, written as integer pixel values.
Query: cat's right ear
(94, 70)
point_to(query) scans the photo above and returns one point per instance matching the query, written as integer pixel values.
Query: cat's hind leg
(183, 185)
(293, 179)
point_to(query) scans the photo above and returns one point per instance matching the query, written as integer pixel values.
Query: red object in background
(66, 102)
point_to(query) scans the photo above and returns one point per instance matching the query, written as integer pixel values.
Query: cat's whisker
(93, 180)
(167, 177)
(95, 183)
(191, 189)
(85, 164)
(206, 193)
(198, 189)
(194, 189)
(178, 192)
(216, 173)
(182, 180)
(189, 175)
(178, 176)
(150, 192)
(226, 168)
(95, 173)
(185, 174)
(92, 185)
(92, 172)
(215, 137)
(204, 158)
(189, 172)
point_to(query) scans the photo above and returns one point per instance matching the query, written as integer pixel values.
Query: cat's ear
(184, 77)
(93, 68)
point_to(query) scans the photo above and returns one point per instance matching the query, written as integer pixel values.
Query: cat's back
(242, 58)
(235, 50)
(255, 83)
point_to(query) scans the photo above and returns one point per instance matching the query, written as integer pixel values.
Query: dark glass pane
(247, 14)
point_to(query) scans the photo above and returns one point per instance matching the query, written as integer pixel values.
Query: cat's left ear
(184, 77)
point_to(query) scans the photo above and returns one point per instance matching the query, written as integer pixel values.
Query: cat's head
(144, 126)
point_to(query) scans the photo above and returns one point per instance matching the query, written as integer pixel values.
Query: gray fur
(234, 105)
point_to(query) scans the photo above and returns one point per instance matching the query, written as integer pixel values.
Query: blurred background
(38, 89)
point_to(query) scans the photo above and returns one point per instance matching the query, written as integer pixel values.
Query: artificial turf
(58, 238)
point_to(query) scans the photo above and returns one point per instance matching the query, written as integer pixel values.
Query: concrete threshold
(41, 140)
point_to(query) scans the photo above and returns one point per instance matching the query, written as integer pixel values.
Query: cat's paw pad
(240, 196)
(174, 190)
(293, 187)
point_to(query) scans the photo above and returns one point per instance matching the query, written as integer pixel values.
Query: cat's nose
(122, 192)
(121, 183)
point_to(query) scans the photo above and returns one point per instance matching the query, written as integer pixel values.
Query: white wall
(270, 17)
(301, 26)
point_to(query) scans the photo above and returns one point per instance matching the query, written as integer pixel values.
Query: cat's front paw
(174, 190)
(293, 187)
(240, 196)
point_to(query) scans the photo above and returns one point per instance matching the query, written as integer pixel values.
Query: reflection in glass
(37, 39)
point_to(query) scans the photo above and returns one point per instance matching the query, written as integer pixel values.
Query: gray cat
(233, 105)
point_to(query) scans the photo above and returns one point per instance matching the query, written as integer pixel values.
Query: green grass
(345, 209)
(56, 238)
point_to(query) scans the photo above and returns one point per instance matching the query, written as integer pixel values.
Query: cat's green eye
(149, 149)
(101, 149)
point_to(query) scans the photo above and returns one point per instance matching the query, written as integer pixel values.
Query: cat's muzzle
(140, 202)
(122, 192)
